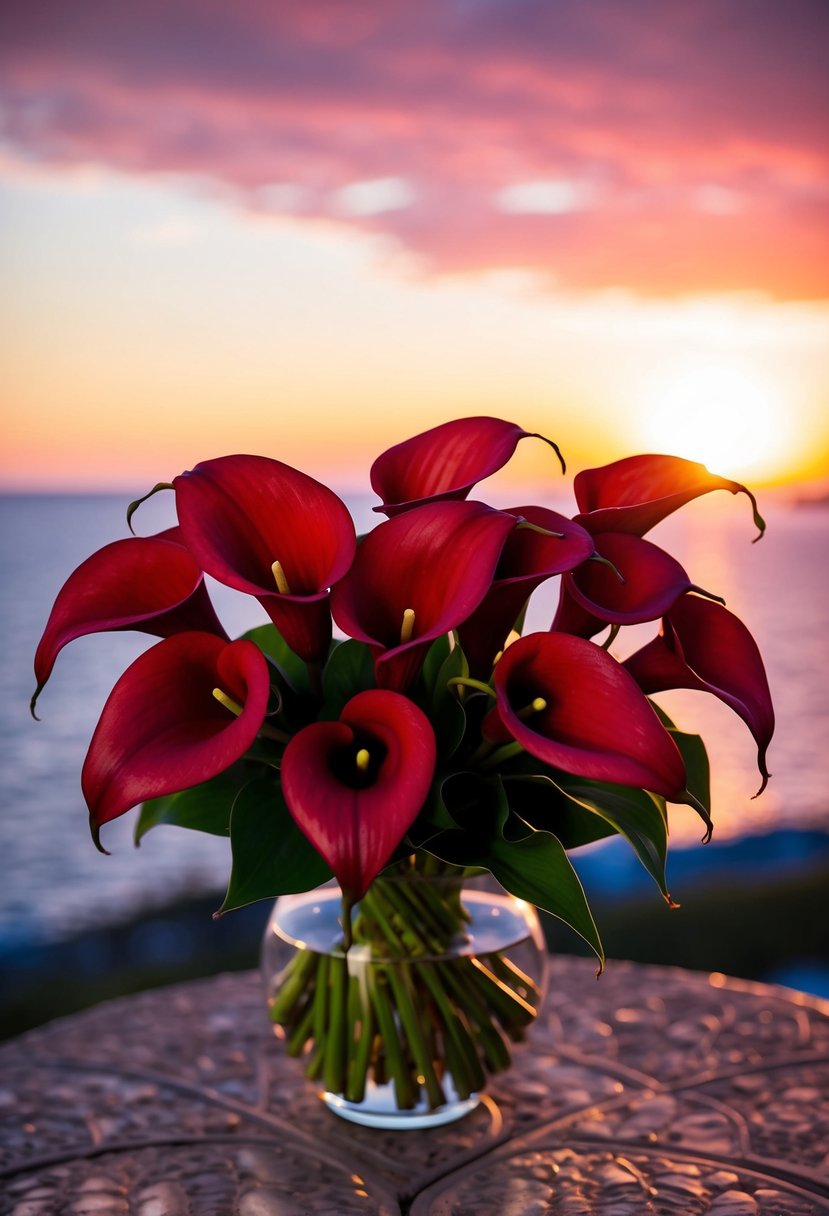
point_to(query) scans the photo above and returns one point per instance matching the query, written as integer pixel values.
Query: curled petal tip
(759, 522)
(708, 595)
(133, 507)
(95, 829)
(764, 773)
(33, 702)
(670, 901)
(554, 446)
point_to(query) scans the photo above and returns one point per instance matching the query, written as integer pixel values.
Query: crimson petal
(446, 461)
(240, 514)
(437, 560)
(354, 817)
(595, 721)
(527, 560)
(162, 730)
(152, 584)
(634, 494)
(645, 582)
(703, 646)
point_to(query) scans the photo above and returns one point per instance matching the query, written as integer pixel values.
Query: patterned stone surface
(653, 1091)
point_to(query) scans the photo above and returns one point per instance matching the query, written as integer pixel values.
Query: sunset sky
(312, 229)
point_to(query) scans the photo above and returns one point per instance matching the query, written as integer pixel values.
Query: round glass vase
(401, 1031)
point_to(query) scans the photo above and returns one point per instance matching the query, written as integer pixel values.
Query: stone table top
(653, 1091)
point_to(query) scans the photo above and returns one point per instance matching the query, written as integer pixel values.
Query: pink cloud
(620, 120)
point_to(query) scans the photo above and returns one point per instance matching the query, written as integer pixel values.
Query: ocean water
(54, 882)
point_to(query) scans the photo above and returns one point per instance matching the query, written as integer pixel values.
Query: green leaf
(271, 642)
(271, 856)
(204, 808)
(693, 752)
(436, 655)
(635, 814)
(532, 865)
(537, 868)
(695, 756)
(536, 798)
(350, 669)
(453, 666)
(438, 701)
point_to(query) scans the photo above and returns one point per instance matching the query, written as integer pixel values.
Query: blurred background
(310, 231)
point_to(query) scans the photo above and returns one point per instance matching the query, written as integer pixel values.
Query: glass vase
(442, 979)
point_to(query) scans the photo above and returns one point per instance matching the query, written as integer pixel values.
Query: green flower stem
(361, 1020)
(299, 972)
(320, 1021)
(500, 756)
(455, 1025)
(376, 911)
(333, 1069)
(507, 971)
(491, 1039)
(405, 1089)
(510, 1007)
(400, 983)
(301, 1031)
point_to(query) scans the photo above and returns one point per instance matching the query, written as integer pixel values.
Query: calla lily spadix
(572, 706)
(355, 786)
(446, 461)
(417, 576)
(151, 584)
(163, 729)
(263, 527)
(640, 583)
(635, 494)
(529, 557)
(703, 646)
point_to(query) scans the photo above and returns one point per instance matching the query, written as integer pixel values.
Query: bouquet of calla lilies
(433, 736)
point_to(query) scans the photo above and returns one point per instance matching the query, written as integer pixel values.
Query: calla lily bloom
(446, 461)
(355, 786)
(642, 585)
(263, 527)
(418, 576)
(163, 729)
(703, 646)
(528, 558)
(148, 583)
(634, 494)
(571, 705)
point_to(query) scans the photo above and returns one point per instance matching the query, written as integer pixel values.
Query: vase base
(379, 1108)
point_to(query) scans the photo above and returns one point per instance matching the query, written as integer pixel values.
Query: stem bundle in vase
(411, 1002)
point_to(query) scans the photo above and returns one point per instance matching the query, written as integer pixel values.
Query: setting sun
(718, 413)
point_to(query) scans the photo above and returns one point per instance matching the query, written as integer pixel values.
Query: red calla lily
(446, 461)
(435, 561)
(634, 494)
(527, 560)
(703, 646)
(162, 730)
(571, 705)
(355, 786)
(241, 514)
(148, 583)
(642, 586)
